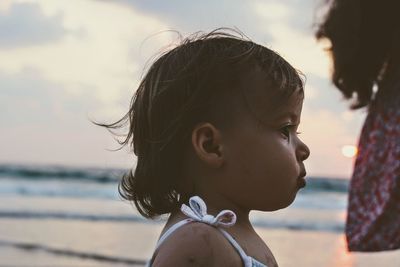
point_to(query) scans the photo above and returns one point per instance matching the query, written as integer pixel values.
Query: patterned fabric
(373, 220)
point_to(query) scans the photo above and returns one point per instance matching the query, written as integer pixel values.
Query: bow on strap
(198, 212)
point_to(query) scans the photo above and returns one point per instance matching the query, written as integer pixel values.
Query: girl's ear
(206, 142)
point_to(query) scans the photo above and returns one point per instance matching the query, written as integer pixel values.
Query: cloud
(107, 60)
(52, 84)
(268, 22)
(49, 92)
(324, 96)
(28, 99)
(24, 24)
(43, 123)
(256, 18)
(192, 16)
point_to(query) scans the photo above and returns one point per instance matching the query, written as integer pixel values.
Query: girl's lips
(301, 182)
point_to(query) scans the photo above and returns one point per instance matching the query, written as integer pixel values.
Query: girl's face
(264, 162)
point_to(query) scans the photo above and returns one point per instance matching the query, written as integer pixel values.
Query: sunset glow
(63, 65)
(349, 151)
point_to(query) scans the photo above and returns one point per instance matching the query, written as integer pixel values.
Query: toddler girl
(213, 125)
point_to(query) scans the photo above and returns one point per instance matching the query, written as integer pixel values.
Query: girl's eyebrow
(289, 114)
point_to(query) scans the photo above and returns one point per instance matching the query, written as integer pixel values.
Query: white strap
(246, 259)
(226, 218)
(171, 230)
(165, 236)
(197, 211)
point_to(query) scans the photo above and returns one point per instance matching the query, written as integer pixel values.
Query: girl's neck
(216, 202)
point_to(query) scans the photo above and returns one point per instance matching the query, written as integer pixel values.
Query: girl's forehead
(289, 109)
(267, 100)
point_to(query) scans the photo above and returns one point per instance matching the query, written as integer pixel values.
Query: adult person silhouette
(365, 49)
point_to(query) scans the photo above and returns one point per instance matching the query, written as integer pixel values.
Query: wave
(327, 184)
(69, 216)
(320, 226)
(71, 253)
(58, 188)
(112, 176)
(99, 175)
(323, 226)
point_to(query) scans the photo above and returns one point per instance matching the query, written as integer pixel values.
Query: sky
(65, 63)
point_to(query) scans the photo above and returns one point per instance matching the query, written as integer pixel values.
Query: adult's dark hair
(196, 81)
(362, 35)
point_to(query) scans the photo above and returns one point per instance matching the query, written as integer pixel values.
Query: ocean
(33, 196)
(324, 197)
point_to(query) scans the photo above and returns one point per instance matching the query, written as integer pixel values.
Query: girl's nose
(303, 151)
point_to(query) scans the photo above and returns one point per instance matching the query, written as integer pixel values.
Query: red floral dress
(373, 217)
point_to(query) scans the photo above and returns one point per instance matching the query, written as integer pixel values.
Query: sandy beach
(59, 242)
(135, 241)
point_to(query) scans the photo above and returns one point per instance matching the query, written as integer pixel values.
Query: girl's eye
(286, 130)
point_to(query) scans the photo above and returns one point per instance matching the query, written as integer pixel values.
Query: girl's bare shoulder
(196, 244)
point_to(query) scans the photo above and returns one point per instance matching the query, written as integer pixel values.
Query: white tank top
(197, 212)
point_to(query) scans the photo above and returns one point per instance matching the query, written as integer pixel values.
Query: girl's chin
(281, 205)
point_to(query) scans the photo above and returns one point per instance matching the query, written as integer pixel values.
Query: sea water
(320, 206)
(34, 194)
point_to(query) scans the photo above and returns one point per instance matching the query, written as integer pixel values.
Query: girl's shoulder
(196, 244)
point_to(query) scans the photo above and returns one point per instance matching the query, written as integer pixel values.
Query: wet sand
(85, 242)
(33, 242)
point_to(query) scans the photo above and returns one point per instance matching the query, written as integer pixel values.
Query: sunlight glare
(349, 151)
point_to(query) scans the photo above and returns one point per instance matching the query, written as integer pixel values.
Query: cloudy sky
(63, 63)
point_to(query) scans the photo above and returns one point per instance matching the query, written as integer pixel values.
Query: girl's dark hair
(197, 81)
(362, 34)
